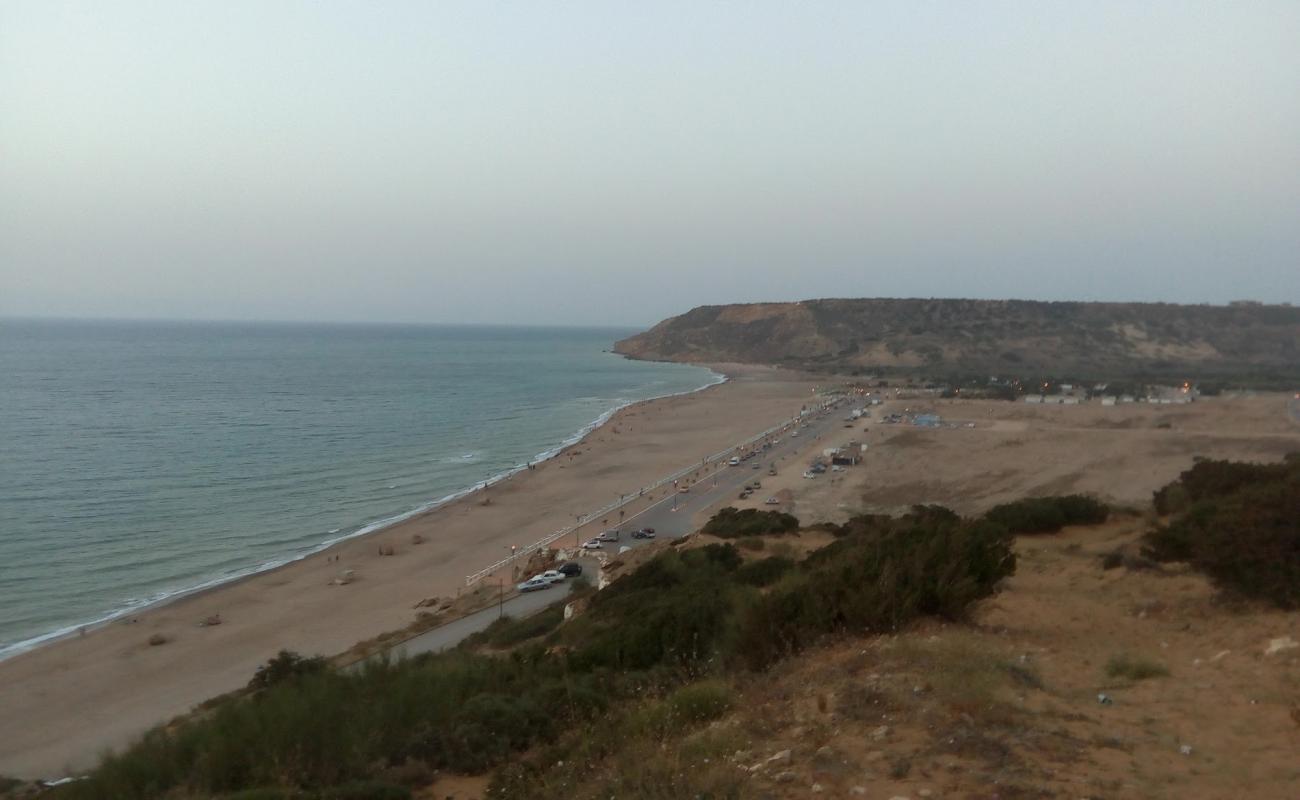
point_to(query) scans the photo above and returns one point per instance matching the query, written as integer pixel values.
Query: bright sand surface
(65, 703)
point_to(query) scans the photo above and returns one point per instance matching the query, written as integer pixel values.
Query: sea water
(139, 460)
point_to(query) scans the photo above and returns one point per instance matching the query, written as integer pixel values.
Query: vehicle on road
(683, 489)
(644, 533)
(550, 576)
(809, 475)
(757, 466)
(593, 545)
(607, 536)
(534, 584)
(745, 494)
(734, 462)
(753, 485)
(772, 501)
(837, 468)
(571, 569)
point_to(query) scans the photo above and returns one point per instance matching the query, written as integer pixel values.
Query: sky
(615, 163)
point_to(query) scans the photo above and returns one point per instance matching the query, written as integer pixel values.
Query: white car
(810, 474)
(608, 536)
(735, 461)
(550, 576)
(533, 584)
(593, 545)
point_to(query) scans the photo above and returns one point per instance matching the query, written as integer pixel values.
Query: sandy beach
(67, 702)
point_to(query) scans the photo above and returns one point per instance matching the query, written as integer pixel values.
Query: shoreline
(102, 690)
(35, 643)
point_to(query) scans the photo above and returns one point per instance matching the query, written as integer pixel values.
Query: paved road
(670, 517)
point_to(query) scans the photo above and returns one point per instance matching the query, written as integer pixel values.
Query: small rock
(157, 639)
(817, 788)
(783, 757)
(1185, 749)
(1104, 699)
(880, 733)
(858, 791)
(924, 793)
(786, 776)
(1280, 644)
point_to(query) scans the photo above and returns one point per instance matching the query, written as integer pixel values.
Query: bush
(703, 701)
(508, 632)
(1241, 527)
(1048, 514)
(286, 666)
(764, 572)
(1209, 479)
(730, 523)
(877, 582)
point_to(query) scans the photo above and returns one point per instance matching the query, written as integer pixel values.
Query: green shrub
(703, 701)
(1048, 514)
(753, 543)
(1209, 479)
(730, 523)
(876, 583)
(1241, 528)
(286, 666)
(508, 632)
(1134, 669)
(764, 572)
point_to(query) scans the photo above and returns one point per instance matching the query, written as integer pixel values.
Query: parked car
(735, 461)
(607, 536)
(533, 584)
(683, 489)
(551, 576)
(772, 501)
(809, 474)
(593, 545)
(644, 533)
(757, 466)
(571, 569)
(753, 485)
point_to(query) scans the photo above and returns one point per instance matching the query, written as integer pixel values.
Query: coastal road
(670, 517)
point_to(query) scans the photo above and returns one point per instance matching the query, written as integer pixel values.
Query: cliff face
(1259, 343)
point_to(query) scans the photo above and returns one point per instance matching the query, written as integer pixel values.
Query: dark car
(570, 569)
(644, 533)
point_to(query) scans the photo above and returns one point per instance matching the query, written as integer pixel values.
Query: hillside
(1248, 343)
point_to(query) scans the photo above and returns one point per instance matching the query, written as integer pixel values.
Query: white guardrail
(470, 580)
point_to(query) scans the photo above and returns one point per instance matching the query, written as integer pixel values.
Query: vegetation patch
(1237, 523)
(620, 684)
(508, 632)
(1048, 514)
(1134, 668)
(732, 523)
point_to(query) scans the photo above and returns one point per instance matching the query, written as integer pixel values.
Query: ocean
(139, 460)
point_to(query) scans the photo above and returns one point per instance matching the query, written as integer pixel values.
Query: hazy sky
(618, 162)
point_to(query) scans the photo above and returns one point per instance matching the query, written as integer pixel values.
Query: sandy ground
(67, 702)
(1119, 453)
(1008, 707)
